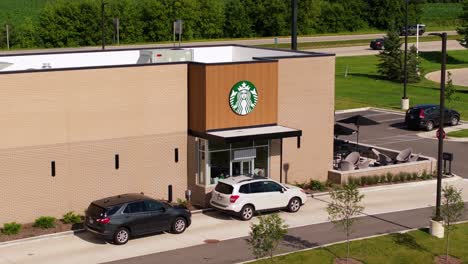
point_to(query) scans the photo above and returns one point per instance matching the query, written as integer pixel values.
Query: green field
(364, 86)
(439, 16)
(459, 134)
(14, 11)
(416, 247)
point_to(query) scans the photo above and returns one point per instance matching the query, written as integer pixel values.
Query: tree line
(63, 23)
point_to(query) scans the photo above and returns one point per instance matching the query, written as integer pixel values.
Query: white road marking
(400, 141)
(378, 114)
(388, 120)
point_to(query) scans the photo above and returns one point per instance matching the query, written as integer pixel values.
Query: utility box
(165, 55)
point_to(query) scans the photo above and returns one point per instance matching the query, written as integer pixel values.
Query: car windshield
(224, 188)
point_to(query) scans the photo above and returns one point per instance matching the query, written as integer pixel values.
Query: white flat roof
(208, 54)
(263, 132)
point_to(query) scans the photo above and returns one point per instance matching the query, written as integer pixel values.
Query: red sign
(438, 134)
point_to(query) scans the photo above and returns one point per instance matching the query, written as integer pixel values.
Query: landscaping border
(340, 242)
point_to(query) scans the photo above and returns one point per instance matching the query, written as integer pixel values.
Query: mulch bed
(28, 230)
(350, 261)
(451, 260)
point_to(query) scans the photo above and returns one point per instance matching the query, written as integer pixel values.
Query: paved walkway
(237, 250)
(459, 76)
(84, 248)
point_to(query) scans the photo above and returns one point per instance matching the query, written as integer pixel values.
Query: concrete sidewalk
(237, 250)
(84, 248)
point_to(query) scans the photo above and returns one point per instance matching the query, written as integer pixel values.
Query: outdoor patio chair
(345, 165)
(381, 158)
(364, 164)
(414, 157)
(353, 157)
(404, 155)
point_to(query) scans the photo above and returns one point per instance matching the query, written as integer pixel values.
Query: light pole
(103, 4)
(441, 132)
(294, 25)
(405, 100)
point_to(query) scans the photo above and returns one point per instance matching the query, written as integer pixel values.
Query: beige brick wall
(306, 100)
(81, 119)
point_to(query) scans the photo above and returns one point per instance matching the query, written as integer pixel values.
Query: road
(260, 41)
(392, 133)
(365, 50)
(84, 248)
(237, 250)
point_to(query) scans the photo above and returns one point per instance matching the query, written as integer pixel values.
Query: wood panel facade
(209, 89)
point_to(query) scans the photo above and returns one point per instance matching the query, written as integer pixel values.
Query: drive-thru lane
(84, 248)
(393, 134)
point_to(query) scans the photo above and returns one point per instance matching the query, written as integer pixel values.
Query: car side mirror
(282, 190)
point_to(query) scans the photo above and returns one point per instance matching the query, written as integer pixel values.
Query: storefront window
(261, 162)
(219, 165)
(218, 160)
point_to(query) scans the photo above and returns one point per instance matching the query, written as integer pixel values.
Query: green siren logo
(243, 97)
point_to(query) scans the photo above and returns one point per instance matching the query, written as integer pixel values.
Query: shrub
(375, 179)
(402, 177)
(364, 181)
(12, 228)
(351, 180)
(45, 222)
(300, 185)
(72, 218)
(409, 177)
(316, 186)
(383, 178)
(396, 179)
(329, 184)
(182, 202)
(390, 177)
(414, 176)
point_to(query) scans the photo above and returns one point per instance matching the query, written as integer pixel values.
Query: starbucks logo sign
(243, 97)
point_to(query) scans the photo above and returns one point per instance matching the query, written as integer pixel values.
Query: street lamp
(103, 4)
(441, 132)
(294, 25)
(405, 100)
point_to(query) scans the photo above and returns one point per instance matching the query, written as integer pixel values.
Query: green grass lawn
(441, 16)
(416, 247)
(460, 133)
(14, 11)
(365, 87)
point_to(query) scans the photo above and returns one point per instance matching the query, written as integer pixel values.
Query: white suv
(245, 195)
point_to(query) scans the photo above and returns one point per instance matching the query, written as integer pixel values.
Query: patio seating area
(349, 156)
(352, 160)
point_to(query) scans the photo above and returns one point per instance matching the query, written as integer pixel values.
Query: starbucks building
(79, 126)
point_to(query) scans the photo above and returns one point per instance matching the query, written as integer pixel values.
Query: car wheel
(179, 225)
(121, 236)
(247, 212)
(429, 125)
(294, 205)
(454, 121)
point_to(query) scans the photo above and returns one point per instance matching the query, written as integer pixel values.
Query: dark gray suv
(117, 218)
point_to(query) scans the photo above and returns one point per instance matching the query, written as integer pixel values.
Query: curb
(343, 241)
(394, 186)
(202, 211)
(352, 110)
(432, 134)
(54, 235)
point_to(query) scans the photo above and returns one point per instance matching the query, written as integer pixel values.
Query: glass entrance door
(242, 167)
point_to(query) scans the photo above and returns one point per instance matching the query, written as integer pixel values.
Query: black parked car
(117, 218)
(412, 30)
(427, 116)
(377, 44)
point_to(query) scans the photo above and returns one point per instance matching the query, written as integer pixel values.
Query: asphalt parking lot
(392, 133)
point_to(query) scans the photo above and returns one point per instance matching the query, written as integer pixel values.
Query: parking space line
(378, 114)
(388, 120)
(401, 141)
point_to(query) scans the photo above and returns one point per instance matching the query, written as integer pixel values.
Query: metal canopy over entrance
(251, 133)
